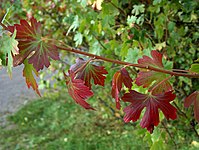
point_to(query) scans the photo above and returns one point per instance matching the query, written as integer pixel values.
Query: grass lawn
(56, 122)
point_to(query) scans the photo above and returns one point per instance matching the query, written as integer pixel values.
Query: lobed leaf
(87, 71)
(156, 81)
(78, 90)
(32, 45)
(28, 74)
(8, 49)
(152, 103)
(121, 76)
(193, 99)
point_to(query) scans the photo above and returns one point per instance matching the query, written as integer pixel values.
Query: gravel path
(13, 93)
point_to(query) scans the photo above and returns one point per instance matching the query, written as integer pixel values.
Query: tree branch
(73, 50)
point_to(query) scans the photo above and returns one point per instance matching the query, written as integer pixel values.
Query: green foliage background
(124, 30)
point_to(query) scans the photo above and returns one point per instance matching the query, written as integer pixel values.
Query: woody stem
(73, 50)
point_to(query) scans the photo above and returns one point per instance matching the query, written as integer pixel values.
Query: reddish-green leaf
(152, 103)
(152, 79)
(28, 74)
(78, 90)
(32, 45)
(87, 71)
(121, 76)
(193, 99)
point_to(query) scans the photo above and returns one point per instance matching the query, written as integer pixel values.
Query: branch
(120, 10)
(179, 70)
(73, 50)
(99, 42)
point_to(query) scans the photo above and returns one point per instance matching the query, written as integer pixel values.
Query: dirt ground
(13, 93)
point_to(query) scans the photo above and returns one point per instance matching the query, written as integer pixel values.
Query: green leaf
(171, 26)
(157, 145)
(140, 20)
(155, 2)
(109, 9)
(137, 9)
(74, 25)
(160, 46)
(156, 135)
(124, 50)
(159, 25)
(78, 39)
(195, 68)
(8, 46)
(131, 19)
(83, 2)
(133, 55)
(95, 48)
(168, 65)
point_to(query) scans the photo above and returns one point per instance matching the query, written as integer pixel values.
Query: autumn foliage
(36, 51)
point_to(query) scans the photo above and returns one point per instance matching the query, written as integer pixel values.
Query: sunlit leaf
(78, 90)
(28, 74)
(32, 45)
(8, 49)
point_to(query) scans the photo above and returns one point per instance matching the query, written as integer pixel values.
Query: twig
(180, 70)
(122, 11)
(150, 24)
(141, 46)
(180, 111)
(84, 65)
(99, 42)
(73, 50)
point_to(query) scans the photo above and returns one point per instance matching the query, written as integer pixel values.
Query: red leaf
(121, 76)
(152, 103)
(87, 71)
(155, 61)
(146, 78)
(193, 99)
(77, 90)
(28, 74)
(32, 45)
